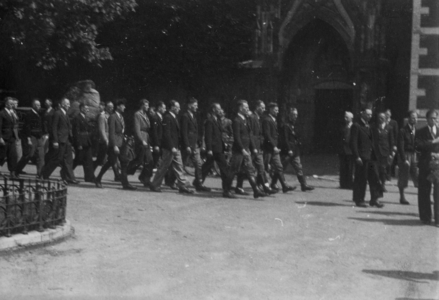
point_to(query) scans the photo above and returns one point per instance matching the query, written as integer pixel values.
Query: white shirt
(242, 117)
(433, 130)
(172, 115)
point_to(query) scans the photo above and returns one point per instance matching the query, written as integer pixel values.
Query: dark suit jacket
(406, 142)
(242, 135)
(289, 141)
(189, 131)
(81, 132)
(423, 143)
(115, 130)
(270, 133)
(171, 132)
(382, 142)
(213, 135)
(47, 122)
(8, 126)
(33, 125)
(345, 148)
(361, 141)
(256, 129)
(156, 130)
(61, 128)
(394, 128)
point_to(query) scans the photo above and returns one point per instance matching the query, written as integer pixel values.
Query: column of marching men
(163, 139)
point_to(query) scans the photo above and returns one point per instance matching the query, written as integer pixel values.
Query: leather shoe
(240, 191)
(306, 187)
(155, 189)
(185, 190)
(268, 191)
(258, 193)
(202, 188)
(129, 187)
(173, 186)
(274, 188)
(288, 188)
(228, 195)
(146, 184)
(117, 179)
(403, 201)
(376, 203)
(98, 184)
(361, 204)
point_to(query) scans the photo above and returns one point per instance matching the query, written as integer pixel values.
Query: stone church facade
(328, 56)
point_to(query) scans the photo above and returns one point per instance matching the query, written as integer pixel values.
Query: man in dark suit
(157, 131)
(290, 148)
(383, 143)
(118, 148)
(427, 143)
(407, 155)
(33, 138)
(82, 137)
(60, 148)
(171, 155)
(9, 136)
(366, 169)
(142, 126)
(215, 148)
(191, 142)
(345, 155)
(242, 148)
(270, 148)
(47, 122)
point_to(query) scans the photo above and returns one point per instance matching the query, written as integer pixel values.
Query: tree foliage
(50, 32)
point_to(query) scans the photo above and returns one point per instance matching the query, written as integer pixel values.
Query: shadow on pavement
(321, 203)
(389, 213)
(406, 275)
(403, 222)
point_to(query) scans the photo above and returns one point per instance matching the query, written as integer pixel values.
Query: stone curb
(36, 238)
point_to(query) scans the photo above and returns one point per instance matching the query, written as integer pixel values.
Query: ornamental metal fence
(31, 204)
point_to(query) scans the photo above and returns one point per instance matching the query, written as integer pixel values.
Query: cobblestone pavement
(314, 245)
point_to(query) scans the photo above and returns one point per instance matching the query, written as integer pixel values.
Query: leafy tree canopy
(50, 32)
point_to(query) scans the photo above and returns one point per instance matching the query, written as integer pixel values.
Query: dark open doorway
(330, 106)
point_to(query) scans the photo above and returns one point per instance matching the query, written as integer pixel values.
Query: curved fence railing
(31, 204)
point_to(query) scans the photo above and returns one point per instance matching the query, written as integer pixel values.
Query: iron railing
(31, 204)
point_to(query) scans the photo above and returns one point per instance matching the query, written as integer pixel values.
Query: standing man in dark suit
(142, 128)
(427, 143)
(82, 137)
(215, 147)
(345, 155)
(242, 148)
(383, 143)
(171, 155)
(60, 149)
(191, 142)
(366, 169)
(290, 148)
(407, 155)
(9, 136)
(270, 148)
(33, 139)
(117, 147)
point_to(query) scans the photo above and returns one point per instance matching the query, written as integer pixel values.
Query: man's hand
(116, 150)
(435, 141)
(359, 162)
(2, 142)
(290, 153)
(189, 150)
(174, 150)
(407, 162)
(210, 153)
(145, 144)
(79, 147)
(244, 152)
(156, 149)
(276, 150)
(29, 141)
(255, 151)
(106, 142)
(55, 145)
